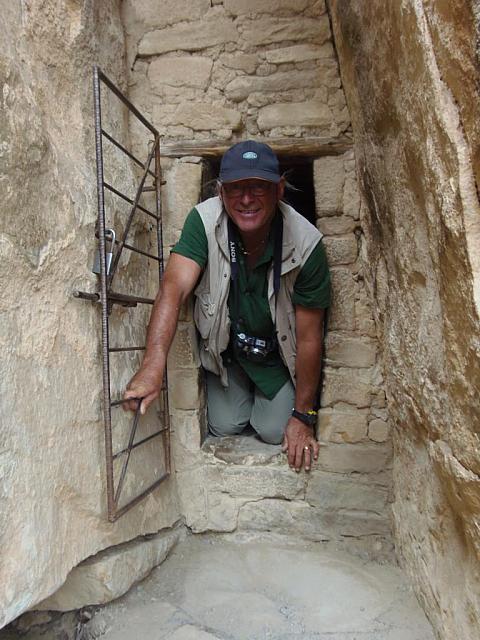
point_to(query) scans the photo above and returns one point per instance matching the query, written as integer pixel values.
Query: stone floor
(214, 587)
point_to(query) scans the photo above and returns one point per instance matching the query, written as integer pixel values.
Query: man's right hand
(178, 281)
(144, 385)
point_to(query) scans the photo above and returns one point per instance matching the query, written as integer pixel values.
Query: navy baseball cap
(249, 159)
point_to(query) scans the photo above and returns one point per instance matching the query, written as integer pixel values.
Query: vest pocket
(204, 314)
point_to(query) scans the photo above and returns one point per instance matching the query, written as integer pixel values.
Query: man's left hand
(300, 444)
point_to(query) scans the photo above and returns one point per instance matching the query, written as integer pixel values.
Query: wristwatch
(309, 418)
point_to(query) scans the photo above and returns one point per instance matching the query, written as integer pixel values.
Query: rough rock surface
(411, 75)
(53, 495)
(110, 573)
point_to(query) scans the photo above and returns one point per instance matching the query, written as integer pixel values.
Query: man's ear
(281, 188)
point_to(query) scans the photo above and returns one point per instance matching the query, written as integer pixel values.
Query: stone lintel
(213, 148)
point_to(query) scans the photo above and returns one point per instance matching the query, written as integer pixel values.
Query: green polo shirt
(311, 289)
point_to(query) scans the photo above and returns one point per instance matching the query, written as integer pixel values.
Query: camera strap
(277, 258)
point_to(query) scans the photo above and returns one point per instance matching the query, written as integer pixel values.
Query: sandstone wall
(410, 71)
(52, 510)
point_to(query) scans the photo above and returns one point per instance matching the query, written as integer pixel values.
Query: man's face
(252, 203)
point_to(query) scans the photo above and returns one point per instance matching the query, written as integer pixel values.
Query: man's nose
(247, 196)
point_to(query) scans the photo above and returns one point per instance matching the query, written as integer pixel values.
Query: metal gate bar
(108, 297)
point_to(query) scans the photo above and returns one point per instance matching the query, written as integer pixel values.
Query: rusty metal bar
(137, 250)
(125, 151)
(137, 444)
(126, 101)
(129, 451)
(116, 298)
(129, 200)
(116, 258)
(103, 291)
(117, 349)
(158, 211)
(120, 512)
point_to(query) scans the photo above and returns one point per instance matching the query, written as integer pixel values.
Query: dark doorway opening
(298, 171)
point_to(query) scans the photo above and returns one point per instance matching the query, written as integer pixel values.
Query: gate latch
(110, 237)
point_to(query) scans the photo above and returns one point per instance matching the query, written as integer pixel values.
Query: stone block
(283, 517)
(344, 351)
(343, 426)
(302, 521)
(269, 30)
(184, 388)
(378, 430)
(180, 194)
(329, 180)
(184, 351)
(342, 312)
(192, 494)
(303, 114)
(240, 88)
(222, 512)
(256, 482)
(111, 573)
(355, 458)
(151, 15)
(299, 53)
(333, 491)
(199, 116)
(186, 431)
(336, 225)
(192, 36)
(242, 7)
(243, 62)
(352, 386)
(364, 322)
(341, 249)
(180, 71)
(242, 450)
(351, 197)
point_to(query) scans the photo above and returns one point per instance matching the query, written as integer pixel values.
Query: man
(262, 289)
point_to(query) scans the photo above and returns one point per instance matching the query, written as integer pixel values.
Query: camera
(255, 349)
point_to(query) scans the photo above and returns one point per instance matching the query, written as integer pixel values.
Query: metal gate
(120, 446)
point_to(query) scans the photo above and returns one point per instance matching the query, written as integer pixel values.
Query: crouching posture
(261, 283)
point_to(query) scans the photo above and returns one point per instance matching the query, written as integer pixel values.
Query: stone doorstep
(346, 495)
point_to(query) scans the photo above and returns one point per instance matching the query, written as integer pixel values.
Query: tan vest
(211, 305)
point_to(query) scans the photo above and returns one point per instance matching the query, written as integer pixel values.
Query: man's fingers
(316, 449)
(285, 442)
(291, 453)
(147, 401)
(298, 456)
(307, 455)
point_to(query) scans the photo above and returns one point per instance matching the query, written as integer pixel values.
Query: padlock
(109, 237)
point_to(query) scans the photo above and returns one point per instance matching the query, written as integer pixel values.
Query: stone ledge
(242, 450)
(110, 573)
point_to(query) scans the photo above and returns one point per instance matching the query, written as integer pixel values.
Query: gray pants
(232, 408)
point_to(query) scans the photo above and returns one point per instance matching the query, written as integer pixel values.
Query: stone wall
(53, 495)
(272, 68)
(410, 71)
(206, 69)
